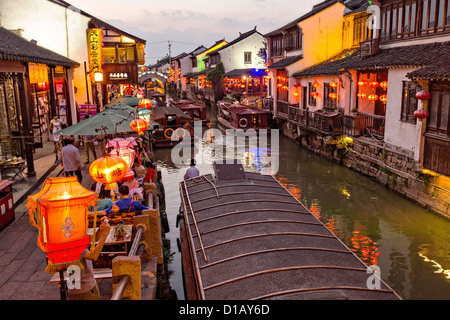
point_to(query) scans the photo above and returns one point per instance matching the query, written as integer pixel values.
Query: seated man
(126, 204)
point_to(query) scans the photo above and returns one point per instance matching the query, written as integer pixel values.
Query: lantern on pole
(139, 125)
(108, 170)
(145, 104)
(59, 212)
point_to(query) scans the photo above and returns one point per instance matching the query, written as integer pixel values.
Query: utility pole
(170, 53)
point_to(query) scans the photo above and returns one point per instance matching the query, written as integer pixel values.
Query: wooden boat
(243, 236)
(233, 116)
(195, 110)
(171, 121)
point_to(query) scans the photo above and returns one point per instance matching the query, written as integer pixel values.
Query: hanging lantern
(145, 104)
(314, 94)
(421, 114)
(267, 71)
(59, 212)
(374, 84)
(139, 126)
(423, 95)
(296, 94)
(333, 95)
(384, 85)
(108, 170)
(373, 97)
(143, 68)
(334, 84)
(297, 85)
(362, 83)
(315, 84)
(362, 95)
(383, 98)
(123, 148)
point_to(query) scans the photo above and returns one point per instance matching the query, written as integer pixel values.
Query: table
(16, 166)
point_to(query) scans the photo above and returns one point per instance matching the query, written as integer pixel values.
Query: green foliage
(216, 78)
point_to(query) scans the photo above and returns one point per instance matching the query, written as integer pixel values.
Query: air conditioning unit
(370, 47)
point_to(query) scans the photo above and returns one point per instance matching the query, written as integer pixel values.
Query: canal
(410, 245)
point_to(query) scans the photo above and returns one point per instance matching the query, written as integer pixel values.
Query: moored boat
(233, 116)
(171, 121)
(195, 110)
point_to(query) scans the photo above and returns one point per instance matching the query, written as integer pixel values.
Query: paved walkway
(22, 263)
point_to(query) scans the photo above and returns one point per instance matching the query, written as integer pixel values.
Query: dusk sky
(189, 24)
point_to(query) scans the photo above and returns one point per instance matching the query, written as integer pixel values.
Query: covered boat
(233, 116)
(171, 121)
(245, 237)
(195, 110)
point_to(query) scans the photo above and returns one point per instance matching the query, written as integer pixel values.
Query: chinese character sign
(38, 73)
(95, 43)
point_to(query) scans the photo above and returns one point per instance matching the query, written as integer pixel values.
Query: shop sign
(37, 73)
(95, 43)
(118, 76)
(86, 109)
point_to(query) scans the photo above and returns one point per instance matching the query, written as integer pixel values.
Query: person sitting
(139, 169)
(192, 171)
(130, 181)
(104, 199)
(150, 176)
(126, 204)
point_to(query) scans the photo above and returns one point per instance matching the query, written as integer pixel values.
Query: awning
(253, 72)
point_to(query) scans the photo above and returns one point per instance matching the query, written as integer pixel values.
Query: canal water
(410, 245)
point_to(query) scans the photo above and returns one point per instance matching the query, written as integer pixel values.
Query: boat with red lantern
(195, 110)
(172, 121)
(237, 116)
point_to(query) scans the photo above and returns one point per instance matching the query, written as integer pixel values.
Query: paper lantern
(145, 104)
(384, 85)
(334, 84)
(374, 84)
(108, 170)
(123, 148)
(314, 94)
(423, 95)
(143, 68)
(362, 95)
(333, 95)
(139, 125)
(297, 85)
(373, 97)
(59, 212)
(315, 84)
(296, 94)
(267, 71)
(383, 98)
(362, 83)
(421, 114)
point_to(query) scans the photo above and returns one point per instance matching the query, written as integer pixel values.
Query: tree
(216, 78)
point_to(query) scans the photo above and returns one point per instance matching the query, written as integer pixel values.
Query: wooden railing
(372, 124)
(267, 104)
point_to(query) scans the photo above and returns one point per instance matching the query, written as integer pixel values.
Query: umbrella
(113, 120)
(125, 99)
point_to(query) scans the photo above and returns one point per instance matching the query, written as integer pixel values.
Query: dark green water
(410, 245)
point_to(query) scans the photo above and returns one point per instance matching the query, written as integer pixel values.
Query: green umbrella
(125, 99)
(116, 119)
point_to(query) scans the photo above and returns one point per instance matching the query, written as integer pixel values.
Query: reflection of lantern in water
(59, 211)
(365, 248)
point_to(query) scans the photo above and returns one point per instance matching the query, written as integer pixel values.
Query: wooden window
(409, 102)
(247, 57)
(109, 54)
(439, 106)
(311, 100)
(276, 46)
(327, 101)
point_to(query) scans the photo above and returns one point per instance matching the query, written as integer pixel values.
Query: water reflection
(410, 245)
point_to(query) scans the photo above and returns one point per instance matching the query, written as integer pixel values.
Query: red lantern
(333, 95)
(383, 98)
(267, 71)
(421, 114)
(373, 97)
(384, 85)
(59, 211)
(423, 95)
(334, 84)
(315, 84)
(314, 94)
(139, 126)
(362, 95)
(145, 104)
(108, 170)
(362, 83)
(143, 68)
(297, 85)
(374, 84)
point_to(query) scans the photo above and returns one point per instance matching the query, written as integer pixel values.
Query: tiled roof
(285, 62)
(241, 37)
(245, 72)
(406, 56)
(438, 69)
(331, 66)
(15, 48)
(315, 10)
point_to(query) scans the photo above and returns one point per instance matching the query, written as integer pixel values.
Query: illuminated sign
(38, 73)
(118, 76)
(95, 43)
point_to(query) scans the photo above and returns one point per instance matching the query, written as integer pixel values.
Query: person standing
(192, 171)
(89, 145)
(55, 126)
(70, 158)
